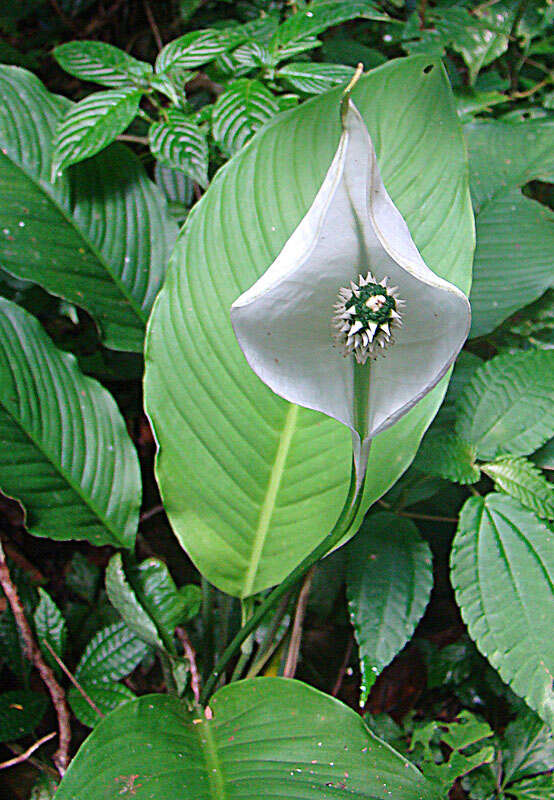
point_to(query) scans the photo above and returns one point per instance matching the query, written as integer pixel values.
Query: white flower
(311, 328)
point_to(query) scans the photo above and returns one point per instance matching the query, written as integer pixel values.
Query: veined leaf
(50, 627)
(99, 238)
(269, 737)
(102, 63)
(312, 78)
(521, 479)
(66, 453)
(179, 143)
(447, 456)
(388, 583)
(112, 654)
(243, 108)
(92, 124)
(106, 695)
(251, 483)
(504, 157)
(506, 407)
(503, 573)
(123, 597)
(191, 50)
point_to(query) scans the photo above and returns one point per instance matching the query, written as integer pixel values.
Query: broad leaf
(313, 78)
(447, 456)
(102, 63)
(251, 484)
(106, 695)
(243, 108)
(388, 583)
(20, 713)
(179, 143)
(504, 157)
(66, 454)
(506, 407)
(123, 597)
(269, 737)
(50, 628)
(92, 124)
(100, 237)
(112, 654)
(503, 572)
(541, 787)
(480, 38)
(521, 479)
(191, 50)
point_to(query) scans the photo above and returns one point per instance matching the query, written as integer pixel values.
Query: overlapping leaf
(447, 456)
(191, 50)
(269, 737)
(251, 483)
(66, 454)
(521, 479)
(102, 63)
(313, 78)
(50, 628)
(100, 237)
(388, 584)
(503, 573)
(243, 108)
(179, 143)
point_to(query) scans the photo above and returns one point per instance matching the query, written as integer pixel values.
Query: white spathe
(284, 322)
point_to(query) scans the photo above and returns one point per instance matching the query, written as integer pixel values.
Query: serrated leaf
(527, 747)
(191, 50)
(112, 654)
(522, 480)
(20, 713)
(388, 583)
(268, 479)
(179, 143)
(447, 456)
(504, 157)
(313, 78)
(502, 572)
(99, 238)
(66, 453)
(50, 627)
(123, 597)
(92, 124)
(106, 695)
(541, 787)
(102, 63)
(506, 407)
(238, 113)
(269, 737)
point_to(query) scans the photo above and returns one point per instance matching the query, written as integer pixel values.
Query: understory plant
(269, 248)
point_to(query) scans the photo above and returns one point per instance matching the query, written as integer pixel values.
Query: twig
(151, 512)
(153, 27)
(415, 514)
(127, 137)
(190, 655)
(343, 666)
(72, 678)
(529, 92)
(67, 21)
(11, 762)
(33, 654)
(296, 635)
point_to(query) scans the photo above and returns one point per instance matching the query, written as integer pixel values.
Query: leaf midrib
(213, 766)
(37, 182)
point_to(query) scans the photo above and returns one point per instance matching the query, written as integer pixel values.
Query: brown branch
(11, 762)
(33, 654)
(127, 137)
(296, 635)
(190, 655)
(153, 26)
(72, 678)
(151, 512)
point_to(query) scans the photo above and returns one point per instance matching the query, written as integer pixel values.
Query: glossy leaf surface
(66, 454)
(243, 108)
(179, 143)
(101, 63)
(269, 737)
(250, 482)
(503, 572)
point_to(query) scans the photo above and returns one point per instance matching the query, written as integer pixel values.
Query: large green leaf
(521, 479)
(66, 454)
(388, 583)
(506, 408)
(243, 108)
(100, 237)
(251, 483)
(112, 653)
(513, 263)
(101, 63)
(503, 574)
(269, 738)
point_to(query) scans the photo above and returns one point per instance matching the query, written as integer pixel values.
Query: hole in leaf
(428, 68)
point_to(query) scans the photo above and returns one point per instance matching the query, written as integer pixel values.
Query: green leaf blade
(311, 78)
(503, 571)
(67, 453)
(522, 480)
(240, 111)
(20, 713)
(101, 62)
(112, 654)
(179, 143)
(50, 627)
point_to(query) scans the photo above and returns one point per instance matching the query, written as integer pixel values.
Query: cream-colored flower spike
(349, 320)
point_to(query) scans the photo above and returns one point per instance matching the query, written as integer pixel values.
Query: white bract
(349, 320)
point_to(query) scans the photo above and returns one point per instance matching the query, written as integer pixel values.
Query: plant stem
(296, 635)
(342, 526)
